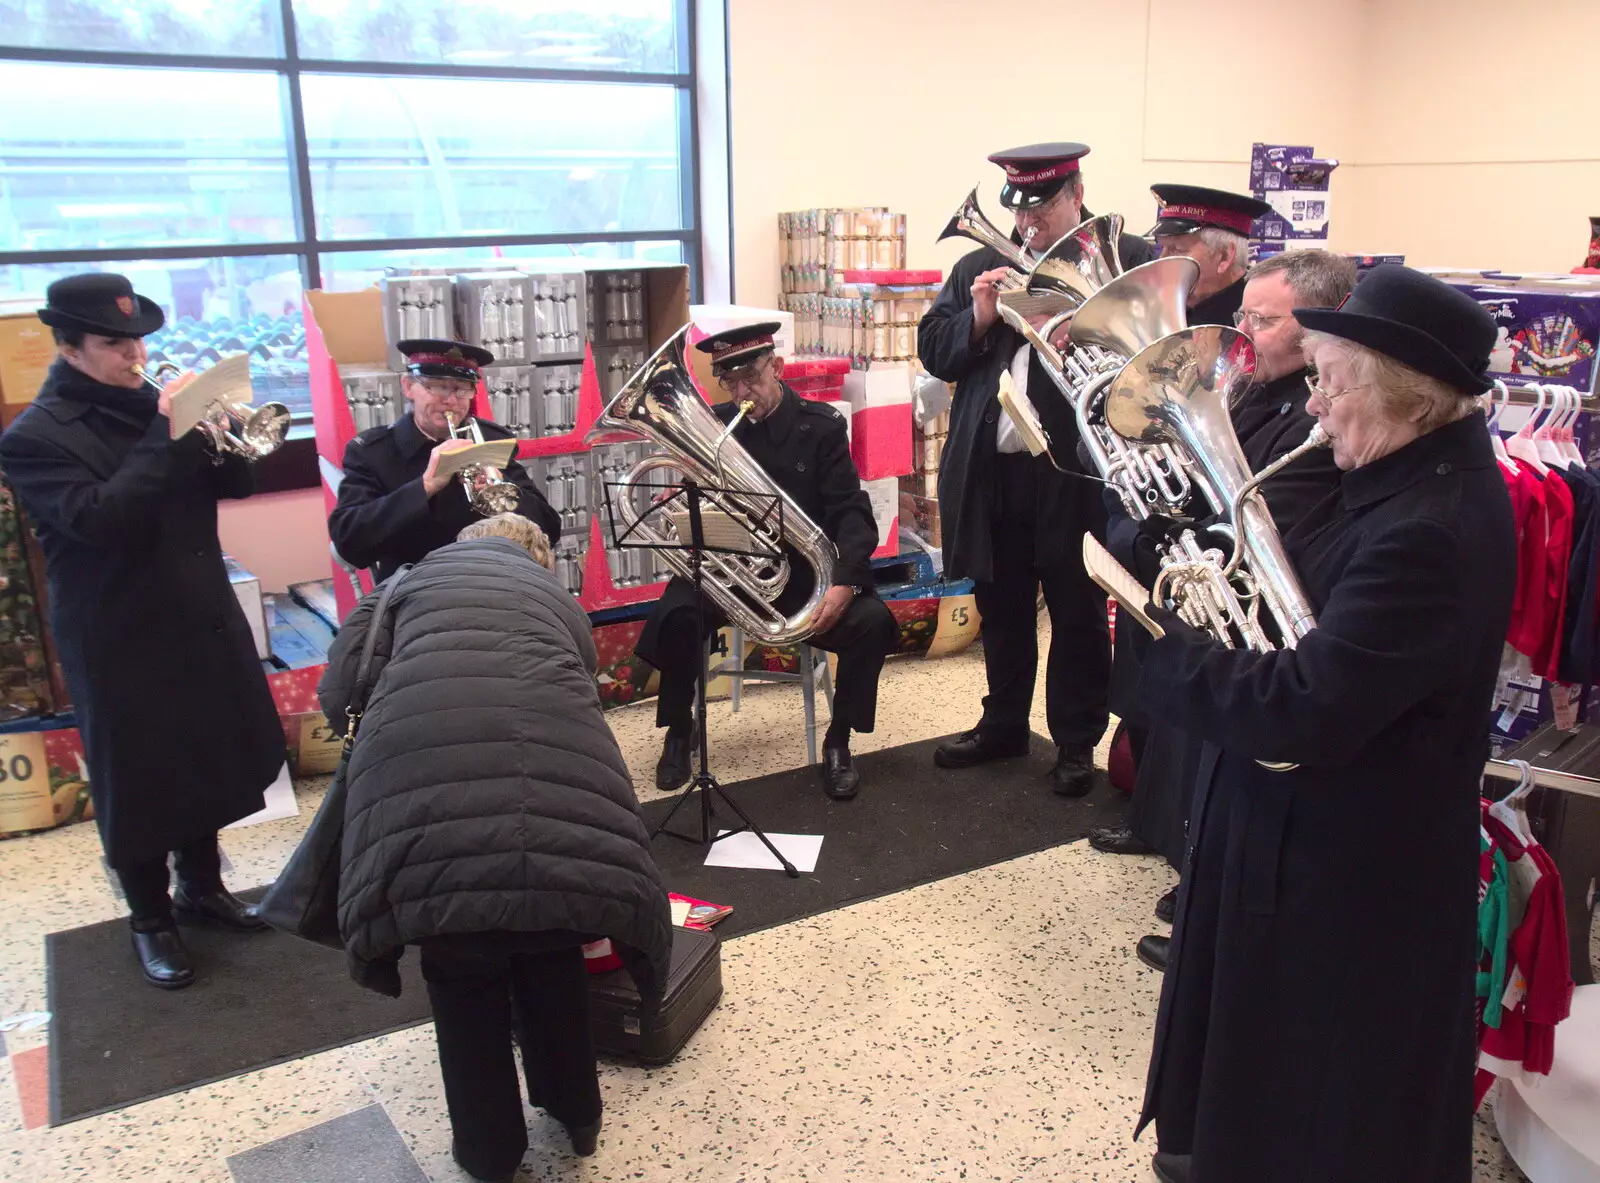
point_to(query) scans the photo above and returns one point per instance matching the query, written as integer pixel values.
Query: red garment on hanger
(1557, 563)
(1528, 624)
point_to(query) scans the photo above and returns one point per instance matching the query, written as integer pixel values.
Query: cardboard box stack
(1294, 181)
(1549, 325)
(818, 244)
(919, 490)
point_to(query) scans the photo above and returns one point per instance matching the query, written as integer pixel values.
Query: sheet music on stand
(721, 531)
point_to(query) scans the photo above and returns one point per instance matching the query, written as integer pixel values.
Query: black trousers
(864, 636)
(145, 884)
(484, 989)
(1078, 674)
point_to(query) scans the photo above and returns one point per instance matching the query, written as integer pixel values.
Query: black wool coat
(1270, 421)
(805, 448)
(384, 518)
(486, 791)
(179, 727)
(1317, 1014)
(1069, 505)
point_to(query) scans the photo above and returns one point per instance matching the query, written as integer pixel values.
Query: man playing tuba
(803, 446)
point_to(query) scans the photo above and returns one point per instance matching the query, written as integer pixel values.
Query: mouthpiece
(747, 406)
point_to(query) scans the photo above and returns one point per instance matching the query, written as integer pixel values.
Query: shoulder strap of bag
(362, 688)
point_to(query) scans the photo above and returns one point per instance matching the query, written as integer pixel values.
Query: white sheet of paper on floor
(746, 850)
(280, 803)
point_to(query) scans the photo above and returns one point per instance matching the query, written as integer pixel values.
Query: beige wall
(280, 538)
(1406, 100)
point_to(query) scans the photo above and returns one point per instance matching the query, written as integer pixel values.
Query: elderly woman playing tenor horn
(1317, 1016)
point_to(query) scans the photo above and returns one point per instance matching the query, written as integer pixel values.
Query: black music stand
(770, 512)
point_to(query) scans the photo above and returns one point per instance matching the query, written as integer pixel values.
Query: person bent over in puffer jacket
(492, 823)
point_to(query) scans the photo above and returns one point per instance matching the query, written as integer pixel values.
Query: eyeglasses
(1255, 319)
(743, 376)
(1038, 211)
(453, 391)
(1313, 386)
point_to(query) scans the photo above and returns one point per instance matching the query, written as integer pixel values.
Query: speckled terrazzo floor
(992, 1026)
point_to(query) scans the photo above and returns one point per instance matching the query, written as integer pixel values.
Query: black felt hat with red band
(445, 359)
(740, 346)
(1415, 319)
(100, 302)
(1036, 172)
(1187, 208)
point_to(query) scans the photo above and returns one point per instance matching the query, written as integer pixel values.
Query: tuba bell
(661, 404)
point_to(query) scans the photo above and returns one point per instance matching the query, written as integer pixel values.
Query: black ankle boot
(162, 955)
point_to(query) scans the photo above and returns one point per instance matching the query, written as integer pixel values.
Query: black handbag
(304, 901)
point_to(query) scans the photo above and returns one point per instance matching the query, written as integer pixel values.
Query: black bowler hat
(1036, 172)
(732, 348)
(1415, 319)
(1187, 208)
(445, 359)
(100, 302)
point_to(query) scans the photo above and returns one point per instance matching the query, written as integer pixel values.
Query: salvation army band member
(394, 506)
(1212, 227)
(1012, 521)
(178, 725)
(804, 448)
(1317, 1015)
(1270, 419)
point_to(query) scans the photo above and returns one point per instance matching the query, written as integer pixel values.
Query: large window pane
(214, 307)
(231, 28)
(550, 34)
(346, 271)
(430, 157)
(102, 157)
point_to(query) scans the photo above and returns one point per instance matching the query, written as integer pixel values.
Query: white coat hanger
(1568, 442)
(1512, 809)
(1522, 444)
(1499, 396)
(1544, 438)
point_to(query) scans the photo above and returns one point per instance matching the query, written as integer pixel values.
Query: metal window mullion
(305, 207)
(689, 141)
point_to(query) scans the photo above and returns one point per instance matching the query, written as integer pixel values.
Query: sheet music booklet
(228, 380)
(492, 453)
(1119, 584)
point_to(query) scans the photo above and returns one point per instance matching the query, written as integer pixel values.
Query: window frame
(290, 66)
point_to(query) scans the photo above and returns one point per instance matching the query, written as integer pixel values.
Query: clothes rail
(1566, 782)
(1519, 395)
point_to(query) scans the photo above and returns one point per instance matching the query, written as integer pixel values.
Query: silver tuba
(661, 404)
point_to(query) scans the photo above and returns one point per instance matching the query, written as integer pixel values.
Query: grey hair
(1219, 239)
(1320, 279)
(519, 529)
(1405, 395)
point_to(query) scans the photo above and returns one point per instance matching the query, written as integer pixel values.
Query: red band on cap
(1053, 172)
(459, 360)
(723, 348)
(1226, 218)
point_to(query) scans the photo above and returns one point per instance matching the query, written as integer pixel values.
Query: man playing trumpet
(179, 728)
(394, 504)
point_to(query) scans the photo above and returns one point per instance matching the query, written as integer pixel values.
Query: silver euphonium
(488, 492)
(661, 404)
(230, 426)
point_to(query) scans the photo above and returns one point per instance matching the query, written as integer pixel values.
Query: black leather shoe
(1153, 952)
(163, 958)
(1117, 840)
(1167, 906)
(977, 747)
(219, 907)
(505, 1178)
(840, 779)
(1073, 775)
(585, 1138)
(1172, 1168)
(672, 770)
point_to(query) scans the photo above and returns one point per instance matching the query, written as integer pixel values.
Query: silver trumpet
(488, 492)
(231, 426)
(660, 404)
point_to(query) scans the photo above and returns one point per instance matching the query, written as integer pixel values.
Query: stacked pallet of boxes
(564, 343)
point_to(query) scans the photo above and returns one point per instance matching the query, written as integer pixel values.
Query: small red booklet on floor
(701, 914)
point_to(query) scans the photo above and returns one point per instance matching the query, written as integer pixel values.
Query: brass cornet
(228, 426)
(488, 492)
